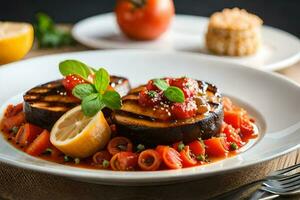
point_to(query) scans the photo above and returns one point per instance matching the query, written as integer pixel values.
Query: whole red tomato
(144, 19)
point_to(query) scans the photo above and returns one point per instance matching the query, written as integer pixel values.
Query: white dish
(280, 49)
(270, 98)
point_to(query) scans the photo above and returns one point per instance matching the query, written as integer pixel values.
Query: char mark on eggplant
(46, 103)
(142, 126)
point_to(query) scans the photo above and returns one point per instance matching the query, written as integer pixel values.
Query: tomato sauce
(228, 144)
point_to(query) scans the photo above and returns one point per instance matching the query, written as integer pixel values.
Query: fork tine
(278, 185)
(285, 170)
(289, 191)
(283, 177)
(290, 180)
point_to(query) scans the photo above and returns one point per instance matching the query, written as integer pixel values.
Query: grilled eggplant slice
(141, 125)
(45, 104)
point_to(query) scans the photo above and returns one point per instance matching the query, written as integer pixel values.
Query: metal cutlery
(277, 183)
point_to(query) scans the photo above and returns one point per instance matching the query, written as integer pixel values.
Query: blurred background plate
(280, 49)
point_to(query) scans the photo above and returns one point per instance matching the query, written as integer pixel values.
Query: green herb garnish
(152, 93)
(48, 151)
(15, 130)
(180, 146)
(95, 96)
(201, 158)
(172, 93)
(77, 161)
(140, 148)
(233, 146)
(67, 158)
(48, 35)
(102, 80)
(105, 164)
(74, 67)
(122, 147)
(84, 90)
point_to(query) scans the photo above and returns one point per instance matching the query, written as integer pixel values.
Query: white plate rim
(122, 177)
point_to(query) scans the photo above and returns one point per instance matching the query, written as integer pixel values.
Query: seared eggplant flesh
(45, 104)
(143, 125)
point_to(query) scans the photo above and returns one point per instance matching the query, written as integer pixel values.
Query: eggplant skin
(144, 130)
(41, 117)
(206, 128)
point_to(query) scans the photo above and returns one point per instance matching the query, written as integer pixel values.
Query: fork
(277, 178)
(285, 186)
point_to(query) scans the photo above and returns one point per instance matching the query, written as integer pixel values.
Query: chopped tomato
(184, 110)
(233, 118)
(197, 147)
(70, 81)
(232, 136)
(170, 156)
(14, 121)
(124, 161)
(188, 159)
(150, 86)
(101, 156)
(247, 129)
(216, 147)
(119, 144)
(40, 144)
(28, 134)
(224, 125)
(149, 98)
(149, 160)
(12, 110)
(175, 145)
(160, 149)
(189, 86)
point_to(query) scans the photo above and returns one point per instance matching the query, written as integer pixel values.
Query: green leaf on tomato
(174, 94)
(161, 84)
(74, 67)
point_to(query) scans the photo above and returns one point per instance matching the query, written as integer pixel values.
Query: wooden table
(24, 184)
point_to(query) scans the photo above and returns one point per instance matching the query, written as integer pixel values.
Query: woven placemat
(25, 184)
(19, 184)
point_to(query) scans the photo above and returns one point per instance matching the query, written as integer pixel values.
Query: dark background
(283, 14)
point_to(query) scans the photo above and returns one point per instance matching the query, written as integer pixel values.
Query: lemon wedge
(15, 41)
(80, 136)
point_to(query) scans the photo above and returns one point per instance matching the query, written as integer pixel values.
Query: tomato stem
(139, 3)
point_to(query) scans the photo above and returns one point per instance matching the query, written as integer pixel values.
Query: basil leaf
(93, 69)
(112, 99)
(101, 80)
(68, 67)
(161, 84)
(174, 94)
(92, 104)
(83, 90)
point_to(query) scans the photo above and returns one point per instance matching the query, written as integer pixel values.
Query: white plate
(270, 98)
(280, 49)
